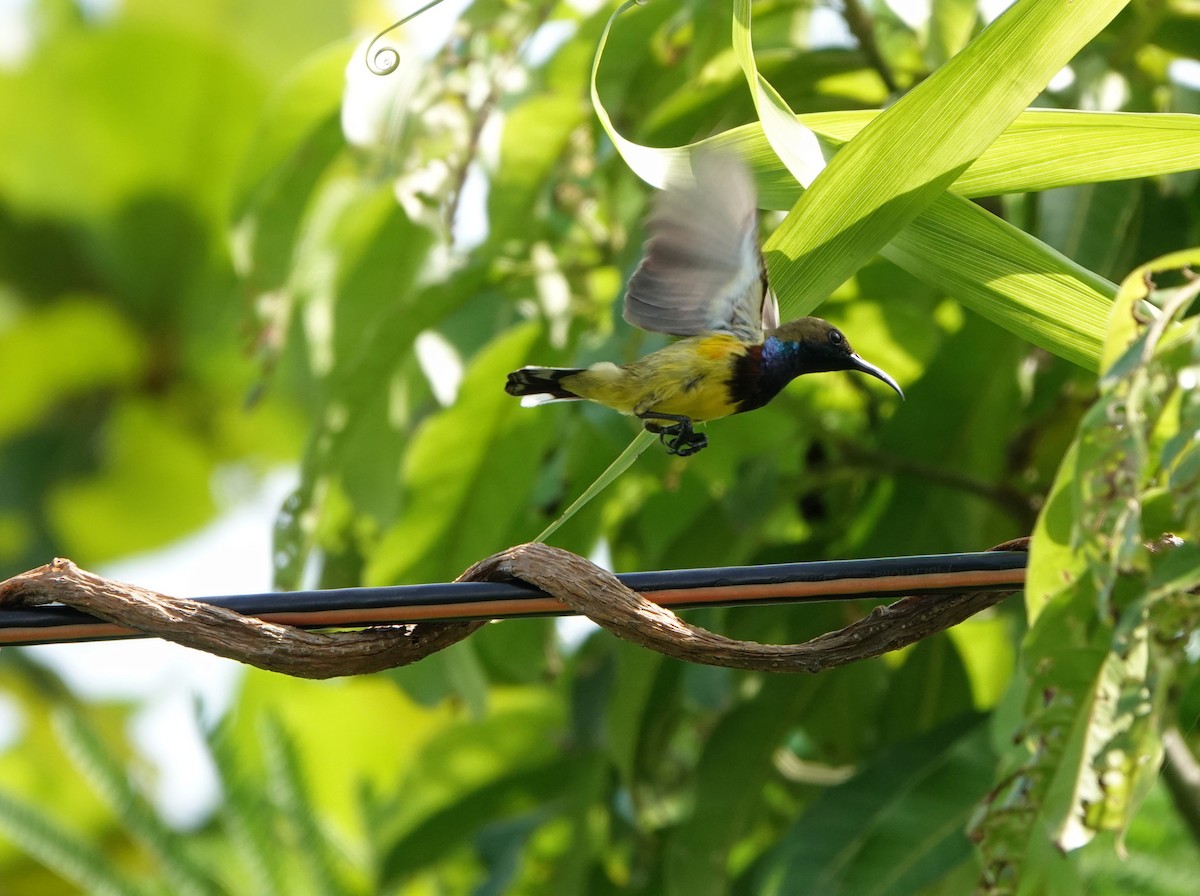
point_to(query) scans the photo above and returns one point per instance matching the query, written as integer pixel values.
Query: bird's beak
(857, 363)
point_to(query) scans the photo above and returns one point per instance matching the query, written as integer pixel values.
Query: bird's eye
(836, 337)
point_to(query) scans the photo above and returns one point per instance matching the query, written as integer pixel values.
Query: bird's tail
(538, 385)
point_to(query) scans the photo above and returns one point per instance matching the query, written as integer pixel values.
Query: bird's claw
(678, 438)
(685, 444)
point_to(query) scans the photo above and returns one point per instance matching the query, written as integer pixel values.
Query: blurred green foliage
(223, 242)
(124, 324)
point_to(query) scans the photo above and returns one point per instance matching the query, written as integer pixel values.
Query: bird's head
(812, 345)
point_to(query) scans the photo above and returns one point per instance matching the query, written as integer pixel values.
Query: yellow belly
(689, 378)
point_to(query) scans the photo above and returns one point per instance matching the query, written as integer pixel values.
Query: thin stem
(1007, 499)
(1181, 773)
(862, 28)
(484, 111)
(386, 60)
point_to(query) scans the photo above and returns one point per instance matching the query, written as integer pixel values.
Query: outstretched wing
(702, 270)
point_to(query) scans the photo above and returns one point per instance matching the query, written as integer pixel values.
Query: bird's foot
(685, 444)
(678, 438)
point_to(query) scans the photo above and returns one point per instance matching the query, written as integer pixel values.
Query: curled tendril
(386, 60)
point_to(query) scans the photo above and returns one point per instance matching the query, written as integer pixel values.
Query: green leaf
(462, 470)
(535, 134)
(502, 845)
(1160, 858)
(106, 773)
(1039, 150)
(95, 349)
(957, 247)
(126, 94)
(746, 740)
(907, 157)
(298, 138)
(147, 454)
(933, 683)
(445, 831)
(515, 654)
(1007, 276)
(1122, 750)
(364, 315)
(615, 470)
(1047, 148)
(1101, 653)
(288, 789)
(257, 32)
(652, 165)
(246, 817)
(950, 25)
(1054, 563)
(640, 704)
(952, 244)
(472, 773)
(335, 729)
(1064, 654)
(40, 834)
(1094, 224)
(953, 423)
(893, 828)
(792, 142)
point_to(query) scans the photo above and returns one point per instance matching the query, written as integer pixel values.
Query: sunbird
(703, 277)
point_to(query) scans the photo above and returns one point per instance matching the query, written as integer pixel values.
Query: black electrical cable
(679, 589)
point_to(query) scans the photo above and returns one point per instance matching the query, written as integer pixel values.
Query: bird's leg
(678, 437)
(679, 423)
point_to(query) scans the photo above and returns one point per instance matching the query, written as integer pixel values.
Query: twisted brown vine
(574, 581)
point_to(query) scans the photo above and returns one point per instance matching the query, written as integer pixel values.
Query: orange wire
(535, 606)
